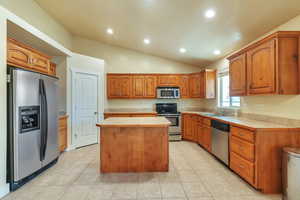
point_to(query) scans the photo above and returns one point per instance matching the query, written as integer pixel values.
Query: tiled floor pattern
(194, 175)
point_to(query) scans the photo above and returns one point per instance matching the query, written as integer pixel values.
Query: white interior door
(85, 93)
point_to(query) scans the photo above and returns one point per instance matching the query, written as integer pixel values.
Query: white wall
(3, 106)
(122, 60)
(84, 64)
(31, 12)
(61, 73)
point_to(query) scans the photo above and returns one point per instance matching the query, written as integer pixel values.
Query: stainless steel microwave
(168, 93)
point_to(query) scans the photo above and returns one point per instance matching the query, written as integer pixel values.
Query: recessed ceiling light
(109, 31)
(147, 41)
(210, 13)
(217, 52)
(182, 50)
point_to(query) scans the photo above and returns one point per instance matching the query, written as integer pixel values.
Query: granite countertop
(135, 122)
(244, 122)
(129, 110)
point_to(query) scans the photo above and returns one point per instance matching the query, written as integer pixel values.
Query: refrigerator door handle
(44, 119)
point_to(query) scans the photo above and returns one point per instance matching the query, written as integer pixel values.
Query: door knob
(95, 113)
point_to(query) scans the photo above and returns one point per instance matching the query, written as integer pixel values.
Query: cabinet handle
(242, 166)
(241, 134)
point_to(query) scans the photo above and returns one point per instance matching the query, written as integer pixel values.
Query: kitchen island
(134, 144)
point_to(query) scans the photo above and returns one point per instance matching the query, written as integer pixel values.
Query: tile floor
(194, 175)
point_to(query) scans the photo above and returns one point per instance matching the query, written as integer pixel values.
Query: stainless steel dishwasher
(220, 140)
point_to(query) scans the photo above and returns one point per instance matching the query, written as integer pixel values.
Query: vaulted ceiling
(173, 24)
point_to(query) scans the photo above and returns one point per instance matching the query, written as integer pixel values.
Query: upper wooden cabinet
(269, 66)
(143, 86)
(195, 85)
(184, 86)
(119, 86)
(209, 82)
(138, 86)
(17, 55)
(261, 69)
(40, 63)
(52, 70)
(237, 72)
(168, 80)
(203, 84)
(23, 56)
(150, 86)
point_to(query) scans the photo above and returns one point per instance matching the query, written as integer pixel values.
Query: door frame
(73, 71)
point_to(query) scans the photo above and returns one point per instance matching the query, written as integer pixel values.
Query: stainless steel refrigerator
(32, 125)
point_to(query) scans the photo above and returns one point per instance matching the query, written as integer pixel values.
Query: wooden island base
(134, 148)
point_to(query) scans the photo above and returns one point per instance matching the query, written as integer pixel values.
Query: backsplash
(147, 104)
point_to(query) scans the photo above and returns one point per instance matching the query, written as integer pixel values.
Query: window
(223, 87)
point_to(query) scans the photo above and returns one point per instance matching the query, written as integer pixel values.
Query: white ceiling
(172, 24)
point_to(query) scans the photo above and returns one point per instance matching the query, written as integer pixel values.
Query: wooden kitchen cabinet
(195, 85)
(52, 70)
(237, 73)
(184, 86)
(167, 80)
(187, 128)
(143, 86)
(119, 86)
(269, 66)
(150, 86)
(209, 84)
(194, 130)
(23, 56)
(63, 132)
(40, 63)
(18, 55)
(203, 84)
(261, 68)
(138, 86)
(200, 131)
(256, 155)
(206, 137)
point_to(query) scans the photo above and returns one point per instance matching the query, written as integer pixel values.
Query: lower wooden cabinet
(243, 167)
(187, 133)
(206, 137)
(190, 128)
(194, 130)
(254, 154)
(107, 115)
(63, 133)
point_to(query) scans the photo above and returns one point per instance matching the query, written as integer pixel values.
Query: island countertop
(135, 122)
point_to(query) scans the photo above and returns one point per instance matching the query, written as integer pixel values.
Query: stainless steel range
(169, 111)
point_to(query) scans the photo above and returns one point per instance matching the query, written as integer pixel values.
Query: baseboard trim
(4, 190)
(70, 148)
